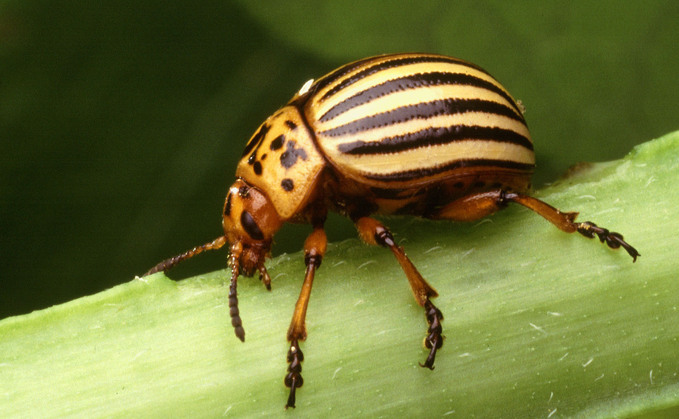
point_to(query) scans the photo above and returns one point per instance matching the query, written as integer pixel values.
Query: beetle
(423, 135)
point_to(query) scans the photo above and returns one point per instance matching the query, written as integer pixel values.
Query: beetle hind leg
(565, 221)
(373, 232)
(479, 205)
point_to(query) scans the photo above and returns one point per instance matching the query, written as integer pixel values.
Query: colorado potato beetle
(412, 134)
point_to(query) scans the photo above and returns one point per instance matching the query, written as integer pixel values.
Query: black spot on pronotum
(227, 205)
(287, 184)
(290, 124)
(290, 156)
(277, 142)
(257, 168)
(256, 139)
(250, 226)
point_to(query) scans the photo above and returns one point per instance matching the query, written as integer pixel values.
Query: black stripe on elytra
(340, 72)
(413, 81)
(435, 136)
(423, 111)
(399, 62)
(407, 175)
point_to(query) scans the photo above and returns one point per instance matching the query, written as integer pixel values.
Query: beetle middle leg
(476, 206)
(375, 233)
(314, 249)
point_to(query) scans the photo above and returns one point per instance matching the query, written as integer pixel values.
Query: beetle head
(250, 221)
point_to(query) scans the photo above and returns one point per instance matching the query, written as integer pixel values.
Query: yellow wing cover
(407, 120)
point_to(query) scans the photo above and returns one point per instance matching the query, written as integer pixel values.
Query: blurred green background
(121, 122)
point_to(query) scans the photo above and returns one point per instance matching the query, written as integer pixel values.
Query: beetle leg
(565, 222)
(314, 249)
(476, 206)
(375, 233)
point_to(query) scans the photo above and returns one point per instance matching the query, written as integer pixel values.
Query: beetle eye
(243, 191)
(250, 226)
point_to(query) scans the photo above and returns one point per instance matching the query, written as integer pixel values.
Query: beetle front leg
(375, 233)
(314, 249)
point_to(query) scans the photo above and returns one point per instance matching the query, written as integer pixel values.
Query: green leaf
(538, 323)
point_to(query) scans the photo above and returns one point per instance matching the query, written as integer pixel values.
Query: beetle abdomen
(411, 120)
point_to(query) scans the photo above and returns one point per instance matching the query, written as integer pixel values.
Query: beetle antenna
(236, 321)
(173, 261)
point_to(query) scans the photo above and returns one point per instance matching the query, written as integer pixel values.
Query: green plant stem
(537, 322)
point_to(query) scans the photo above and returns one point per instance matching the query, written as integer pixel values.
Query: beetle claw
(434, 339)
(293, 379)
(611, 238)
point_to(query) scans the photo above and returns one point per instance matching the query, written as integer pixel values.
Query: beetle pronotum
(413, 134)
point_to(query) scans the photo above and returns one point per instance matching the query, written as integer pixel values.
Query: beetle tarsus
(293, 379)
(291, 396)
(434, 339)
(612, 239)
